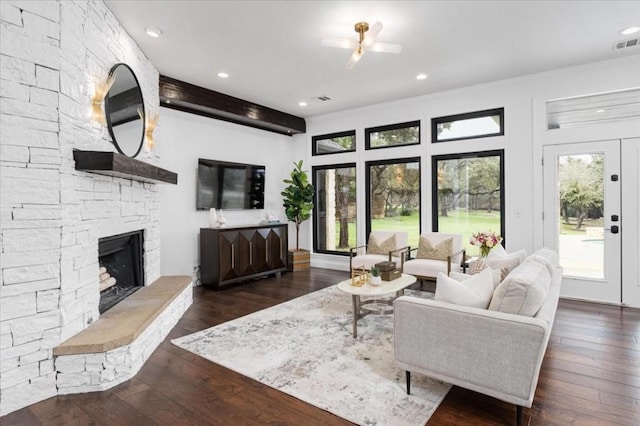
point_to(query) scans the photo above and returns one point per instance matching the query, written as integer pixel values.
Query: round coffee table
(379, 307)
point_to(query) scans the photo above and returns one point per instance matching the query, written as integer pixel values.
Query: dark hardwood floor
(590, 375)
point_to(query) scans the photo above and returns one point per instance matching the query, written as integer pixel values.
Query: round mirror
(124, 110)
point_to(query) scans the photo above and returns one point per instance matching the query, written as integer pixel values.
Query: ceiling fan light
(371, 35)
(354, 58)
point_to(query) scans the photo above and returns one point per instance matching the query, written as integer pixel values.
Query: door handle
(614, 229)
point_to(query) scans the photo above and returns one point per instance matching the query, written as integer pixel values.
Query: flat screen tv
(226, 185)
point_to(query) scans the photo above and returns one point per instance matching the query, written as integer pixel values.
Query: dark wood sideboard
(230, 255)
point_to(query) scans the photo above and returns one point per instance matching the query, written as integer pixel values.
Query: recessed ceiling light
(600, 110)
(302, 103)
(153, 31)
(630, 30)
(421, 76)
(223, 75)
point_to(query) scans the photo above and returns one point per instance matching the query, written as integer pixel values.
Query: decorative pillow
(440, 251)
(498, 252)
(498, 274)
(383, 248)
(506, 264)
(475, 291)
(524, 291)
(495, 274)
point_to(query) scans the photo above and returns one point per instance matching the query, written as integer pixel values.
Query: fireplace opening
(121, 267)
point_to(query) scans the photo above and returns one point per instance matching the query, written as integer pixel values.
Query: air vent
(323, 98)
(633, 42)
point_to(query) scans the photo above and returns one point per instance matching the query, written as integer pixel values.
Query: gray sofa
(488, 351)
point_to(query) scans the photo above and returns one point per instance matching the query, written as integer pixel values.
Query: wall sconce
(152, 122)
(97, 100)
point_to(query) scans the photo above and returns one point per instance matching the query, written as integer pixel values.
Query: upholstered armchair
(436, 252)
(382, 246)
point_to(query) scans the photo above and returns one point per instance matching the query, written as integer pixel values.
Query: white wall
(181, 139)
(525, 133)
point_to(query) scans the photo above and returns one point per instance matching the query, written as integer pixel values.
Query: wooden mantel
(194, 99)
(115, 164)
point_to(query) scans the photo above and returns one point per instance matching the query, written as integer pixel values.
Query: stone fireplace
(54, 216)
(121, 267)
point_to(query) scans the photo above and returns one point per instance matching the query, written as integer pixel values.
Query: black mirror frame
(108, 115)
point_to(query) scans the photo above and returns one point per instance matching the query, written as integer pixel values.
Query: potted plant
(298, 204)
(375, 279)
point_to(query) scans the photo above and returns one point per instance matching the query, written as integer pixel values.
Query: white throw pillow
(499, 252)
(475, 291)
(507, 263)
(495, 276)
(524, 291)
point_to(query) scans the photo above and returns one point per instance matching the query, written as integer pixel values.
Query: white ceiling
(272, 50)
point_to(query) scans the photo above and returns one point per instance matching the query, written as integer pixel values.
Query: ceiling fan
(366, 42)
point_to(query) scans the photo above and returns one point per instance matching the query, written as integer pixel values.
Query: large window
(334, 208)
(392, 135)
(334, 143)
(393, 201)
(471, 125)
(468, 194)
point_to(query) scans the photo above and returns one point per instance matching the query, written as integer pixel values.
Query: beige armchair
(379, 248)
(427, 268)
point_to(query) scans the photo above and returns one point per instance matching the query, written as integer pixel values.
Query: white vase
(375, 280)
(213, 218)
(221, 219)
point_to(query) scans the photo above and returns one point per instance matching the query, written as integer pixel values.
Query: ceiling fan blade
(385, 47)
(343, 43)
(357, 54)
(371, 35)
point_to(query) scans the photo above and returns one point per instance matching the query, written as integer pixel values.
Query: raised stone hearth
(115, 347)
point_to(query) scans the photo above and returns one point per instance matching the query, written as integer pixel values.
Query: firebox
(121, 259)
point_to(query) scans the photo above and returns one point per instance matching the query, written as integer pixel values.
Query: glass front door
(582, 217)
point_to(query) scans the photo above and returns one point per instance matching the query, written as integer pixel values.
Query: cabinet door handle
(250, 253)
(233, 256)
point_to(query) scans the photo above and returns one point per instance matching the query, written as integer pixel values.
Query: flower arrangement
(486, 241)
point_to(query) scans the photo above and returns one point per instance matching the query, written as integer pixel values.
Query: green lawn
(569, 228)
(458, 222)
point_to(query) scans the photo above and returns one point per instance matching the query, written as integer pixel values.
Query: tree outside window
(468, 194)
(394, 197)
(335, 208)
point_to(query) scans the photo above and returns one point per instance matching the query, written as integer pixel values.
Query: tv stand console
(234, 254)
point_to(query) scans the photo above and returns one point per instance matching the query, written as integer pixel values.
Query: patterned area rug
(304, 347)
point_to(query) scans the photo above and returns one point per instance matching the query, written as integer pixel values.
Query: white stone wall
(51, 216)
(102, 371)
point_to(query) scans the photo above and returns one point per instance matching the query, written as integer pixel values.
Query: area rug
(305, 348)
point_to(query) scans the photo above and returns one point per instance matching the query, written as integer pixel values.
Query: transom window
(471, 125)
(392, 135)
(334, 143)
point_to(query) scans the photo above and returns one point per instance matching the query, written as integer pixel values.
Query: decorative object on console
(221, 219)
(213, 218)
(298, 204)
(486, 241)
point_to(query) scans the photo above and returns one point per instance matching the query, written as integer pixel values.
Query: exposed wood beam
(187, 97)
